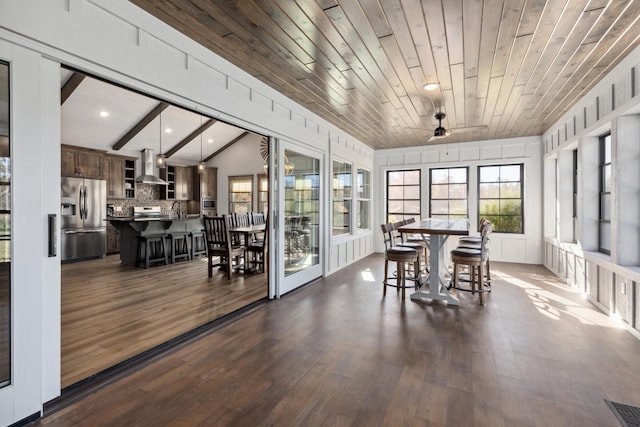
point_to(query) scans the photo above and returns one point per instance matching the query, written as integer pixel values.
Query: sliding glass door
(5, 230)
(301, 218)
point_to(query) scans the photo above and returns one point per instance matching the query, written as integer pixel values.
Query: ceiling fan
(441, 132)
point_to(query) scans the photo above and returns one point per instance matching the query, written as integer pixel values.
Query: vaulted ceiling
(513, 66)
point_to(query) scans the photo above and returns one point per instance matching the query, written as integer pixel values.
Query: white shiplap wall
(611, 282)
(527, 247)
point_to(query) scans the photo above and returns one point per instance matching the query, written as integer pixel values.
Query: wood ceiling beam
(70, 85)
(227, 145)
(206, 125)
(151, 115)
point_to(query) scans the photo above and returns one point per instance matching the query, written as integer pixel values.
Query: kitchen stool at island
(149, 221)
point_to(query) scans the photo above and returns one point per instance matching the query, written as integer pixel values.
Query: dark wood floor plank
(111, 312)
(337, 353)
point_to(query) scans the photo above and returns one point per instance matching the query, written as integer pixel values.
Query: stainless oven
(208, 206)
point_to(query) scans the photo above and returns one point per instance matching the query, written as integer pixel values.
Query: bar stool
(198, 244)
(401, 256)
(151, 249)
(418, 246)
(475, 242)
(179, 246)
(476, 260)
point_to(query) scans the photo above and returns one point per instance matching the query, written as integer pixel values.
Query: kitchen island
(132, 227)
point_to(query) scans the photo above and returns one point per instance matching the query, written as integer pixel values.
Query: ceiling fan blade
(468, 129)
(431, 139)
(422, 130)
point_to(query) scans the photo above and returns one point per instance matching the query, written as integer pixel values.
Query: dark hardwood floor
(337, 353)
(112, 312)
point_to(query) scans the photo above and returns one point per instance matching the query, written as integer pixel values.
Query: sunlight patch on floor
(554, 306)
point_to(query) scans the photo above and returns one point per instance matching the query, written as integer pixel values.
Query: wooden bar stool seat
(179, 246)
(151, 249)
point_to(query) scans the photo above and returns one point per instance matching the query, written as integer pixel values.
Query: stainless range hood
(148, 162)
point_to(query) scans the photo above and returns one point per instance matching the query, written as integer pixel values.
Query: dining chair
(258, 250)
(402, 256)
(257, 218)
(219, 244)
(420, 247)
(476, 259)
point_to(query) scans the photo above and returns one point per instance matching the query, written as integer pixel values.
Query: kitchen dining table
(436, 231)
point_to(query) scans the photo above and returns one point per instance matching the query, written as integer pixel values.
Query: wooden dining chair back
(402, 256)
(257, 218)
(257, 249)
(219, 244)
(476, 259)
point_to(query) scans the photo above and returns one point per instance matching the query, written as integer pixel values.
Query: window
(448, 192)
(500, 197)
(604, 223)
(240, 194)
(575, 195)
(364, 199)
(263, 193)
(341, 198)
(403, 195)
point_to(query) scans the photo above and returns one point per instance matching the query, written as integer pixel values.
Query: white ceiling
(82, 125)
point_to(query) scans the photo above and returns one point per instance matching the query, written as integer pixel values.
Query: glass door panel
(302, 219)
(5, 230)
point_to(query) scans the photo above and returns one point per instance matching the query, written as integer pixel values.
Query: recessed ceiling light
(167, 130)
(210, 140)
(431, 86)
(104, 114)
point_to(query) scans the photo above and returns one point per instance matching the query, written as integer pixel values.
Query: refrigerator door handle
(86, 203)
(80, 202)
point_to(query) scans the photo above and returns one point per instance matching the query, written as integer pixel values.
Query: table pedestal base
(435, 286)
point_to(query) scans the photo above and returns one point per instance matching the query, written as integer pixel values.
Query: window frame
(448, 183)
(602, 193)
(497, 228)
(363, 200)
(232, 204)
(260, 179)
(403, 215)
(346, 200)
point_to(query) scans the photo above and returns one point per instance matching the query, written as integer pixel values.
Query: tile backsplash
(146, 195)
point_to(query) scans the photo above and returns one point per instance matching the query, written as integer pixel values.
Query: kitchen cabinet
(113, 239)
(82, 162)
(184, 183)
(120, 177)
(180, 183)
(205, 184)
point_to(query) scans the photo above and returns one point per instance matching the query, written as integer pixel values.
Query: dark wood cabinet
(184, 183)
(113, 239)
(120, 177)
(115, 178)
(205, 184)
(82, 162)
(180, 183)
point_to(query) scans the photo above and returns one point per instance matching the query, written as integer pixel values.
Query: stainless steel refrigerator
(83, 211)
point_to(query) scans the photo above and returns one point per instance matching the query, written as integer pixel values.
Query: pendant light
(201, 164)
(160, 159)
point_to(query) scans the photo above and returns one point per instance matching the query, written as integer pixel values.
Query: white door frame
(35, 191)
(282, 283)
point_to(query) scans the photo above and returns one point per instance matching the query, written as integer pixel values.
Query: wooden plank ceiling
(513, 65)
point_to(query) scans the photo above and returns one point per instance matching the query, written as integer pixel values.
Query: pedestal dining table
(436, 231)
